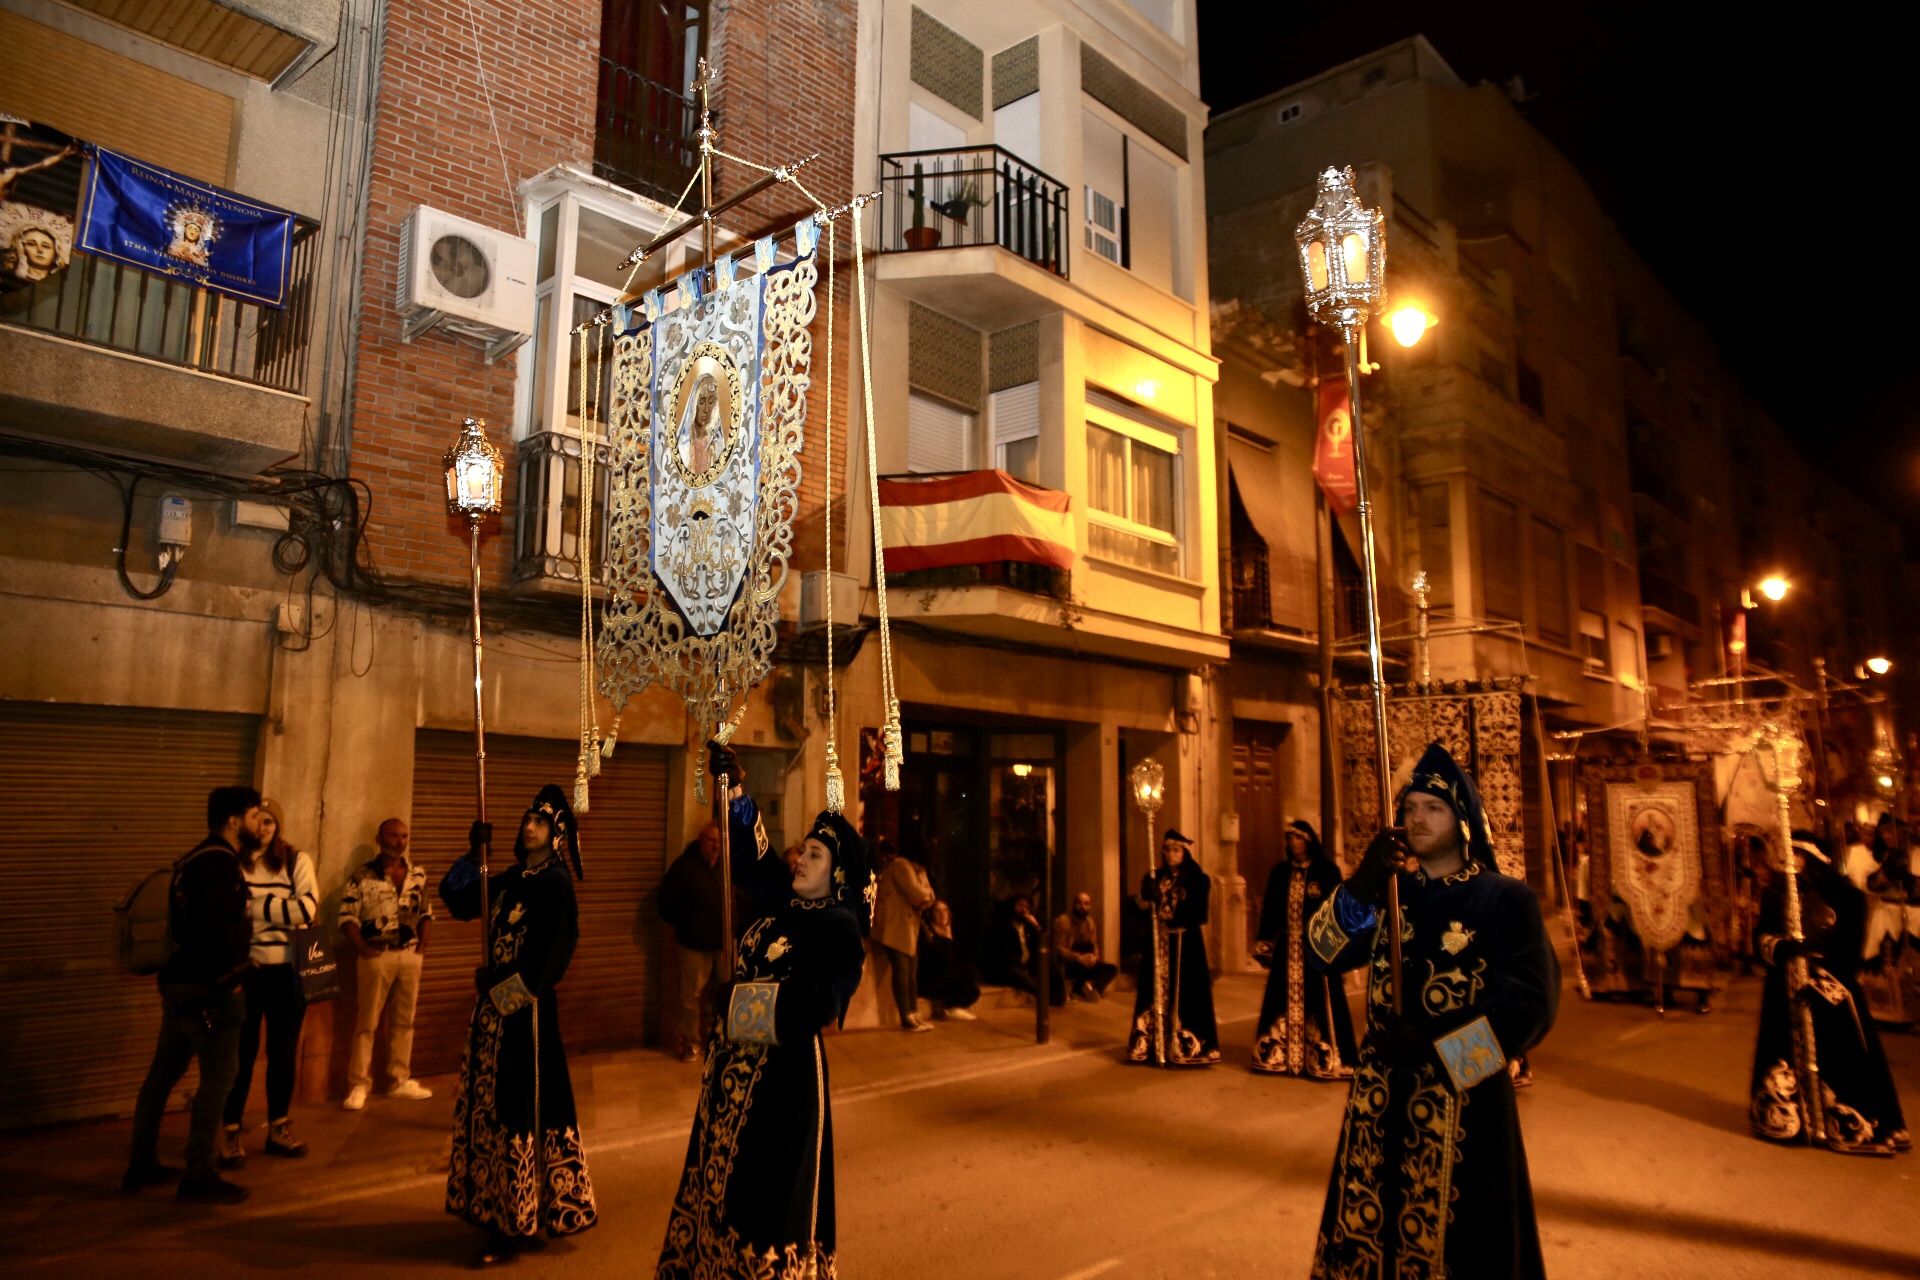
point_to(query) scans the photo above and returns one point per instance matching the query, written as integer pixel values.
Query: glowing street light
(1775, 587)
(1409, 322)
(1879, 666)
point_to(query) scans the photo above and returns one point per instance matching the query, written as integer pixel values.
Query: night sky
(1774, 137)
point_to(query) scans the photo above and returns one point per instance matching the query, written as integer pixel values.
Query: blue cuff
(1354, 915)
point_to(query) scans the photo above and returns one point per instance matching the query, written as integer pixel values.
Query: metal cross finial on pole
(1343, 257)
(474, 473)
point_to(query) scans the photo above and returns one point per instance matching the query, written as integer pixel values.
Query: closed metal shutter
(96, 798)
(608, 998)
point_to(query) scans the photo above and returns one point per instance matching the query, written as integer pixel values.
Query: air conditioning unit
(461, 278)
(1659, 646)
(847, 599)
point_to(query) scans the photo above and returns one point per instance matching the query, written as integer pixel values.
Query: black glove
(1263, 954)
(1369, 880)
(723, 759)
(1794, 948)
(479, 835)
(1403, 1040)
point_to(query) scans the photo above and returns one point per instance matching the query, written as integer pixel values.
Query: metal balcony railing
(110, 304)
(547, 527)
(644, 133)
(1035, 579)
(1252, 587)
(967, 196)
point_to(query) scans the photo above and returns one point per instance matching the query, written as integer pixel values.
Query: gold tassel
(895, 750)
(836, 785)
(580, 790)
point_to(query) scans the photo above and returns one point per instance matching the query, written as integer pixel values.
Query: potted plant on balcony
(920, 235)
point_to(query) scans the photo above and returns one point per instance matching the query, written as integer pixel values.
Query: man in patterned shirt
(384, 914)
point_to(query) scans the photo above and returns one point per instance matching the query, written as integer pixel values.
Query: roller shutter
(608, 998)
(96, 797)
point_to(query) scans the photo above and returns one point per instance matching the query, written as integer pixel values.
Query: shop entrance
(980, 807)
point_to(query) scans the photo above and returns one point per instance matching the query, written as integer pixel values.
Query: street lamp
(1343, 260)
(1879, 666)
(474, 475)
(1148, 779)
(1775, 587)
(1409, 323)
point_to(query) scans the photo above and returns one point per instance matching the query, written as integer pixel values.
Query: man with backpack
(201, 1006)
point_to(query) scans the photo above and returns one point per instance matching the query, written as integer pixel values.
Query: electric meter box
(176, 521)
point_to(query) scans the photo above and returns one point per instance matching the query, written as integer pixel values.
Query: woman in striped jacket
(282, 895)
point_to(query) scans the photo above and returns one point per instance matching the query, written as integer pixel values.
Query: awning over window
(1280, 507)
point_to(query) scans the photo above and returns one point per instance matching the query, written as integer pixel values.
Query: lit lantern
(1149, 782)
(1343, 253)
(474, 473)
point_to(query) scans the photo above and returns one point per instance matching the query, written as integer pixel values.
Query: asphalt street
(973, 1152)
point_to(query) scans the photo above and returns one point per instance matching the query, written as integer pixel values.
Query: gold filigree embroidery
(1452, 990)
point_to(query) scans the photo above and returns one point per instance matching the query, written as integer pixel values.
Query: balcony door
(644, 129)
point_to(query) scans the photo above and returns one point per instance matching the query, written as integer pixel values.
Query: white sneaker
(962, 1015)
(411, 1090)
(356, 1098)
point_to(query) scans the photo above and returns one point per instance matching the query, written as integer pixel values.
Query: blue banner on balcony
(162, 222)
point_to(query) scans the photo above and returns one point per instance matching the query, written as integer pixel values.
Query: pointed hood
(1437, 773)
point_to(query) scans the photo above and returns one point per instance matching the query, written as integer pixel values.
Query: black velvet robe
(1180, 898)
(518, 1166)
(1305, 1027)
(1428, 1182)
(1861, 1109)
(755, 1200)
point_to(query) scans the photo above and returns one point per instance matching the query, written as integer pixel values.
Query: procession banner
(1333, 449)
(161, 222)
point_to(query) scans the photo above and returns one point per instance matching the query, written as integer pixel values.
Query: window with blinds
(1434, 537)
(1153, 221)
(1500, 558)
(1103, 162)
(1014, 415)
(1549, 582)
(939, 436)
(1133, 485)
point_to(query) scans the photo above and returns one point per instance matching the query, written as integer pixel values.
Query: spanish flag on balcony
(973, 517)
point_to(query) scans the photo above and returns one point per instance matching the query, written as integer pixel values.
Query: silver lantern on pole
(1148, 782)
(1343, 261)
(475, 474)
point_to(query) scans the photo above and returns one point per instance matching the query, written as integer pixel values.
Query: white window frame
(1000, 437)
(1166, 441)
(1180, 284)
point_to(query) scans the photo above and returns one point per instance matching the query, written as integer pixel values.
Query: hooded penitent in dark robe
(1177, 898)
(1860, 1110)
(1305, 1028)
(1430, 1178)
(518, 1167)
(756, 1196)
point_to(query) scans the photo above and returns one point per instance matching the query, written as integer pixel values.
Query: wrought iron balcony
(547, 526)
(968, 196)
(1034, 579)
(110, 304)
(644, 133)
(1252, 587)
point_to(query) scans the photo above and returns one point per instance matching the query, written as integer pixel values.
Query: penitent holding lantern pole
(1343, 257)
(474, 476)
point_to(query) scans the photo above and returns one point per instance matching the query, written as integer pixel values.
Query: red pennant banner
(1333, 449)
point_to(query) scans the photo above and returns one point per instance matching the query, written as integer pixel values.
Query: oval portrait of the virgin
(705, 412)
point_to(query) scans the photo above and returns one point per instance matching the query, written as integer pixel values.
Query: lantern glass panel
(1353, 248)
(1316, 265)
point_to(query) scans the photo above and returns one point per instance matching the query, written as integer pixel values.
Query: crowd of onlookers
(244, 943)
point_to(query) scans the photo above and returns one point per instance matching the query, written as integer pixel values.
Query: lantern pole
(1335, 298)
(1149, 779)
(474, 470)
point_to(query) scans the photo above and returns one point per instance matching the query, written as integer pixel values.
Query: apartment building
(1042, 312)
